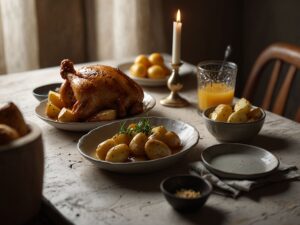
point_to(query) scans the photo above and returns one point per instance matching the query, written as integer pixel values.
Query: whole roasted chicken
(95, 88)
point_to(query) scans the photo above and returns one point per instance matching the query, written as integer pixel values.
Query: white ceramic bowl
(87, 145)
(149, 102)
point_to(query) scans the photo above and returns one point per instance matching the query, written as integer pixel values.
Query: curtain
(19, 37)
(40, 33)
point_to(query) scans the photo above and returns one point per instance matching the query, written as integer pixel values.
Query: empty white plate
(239, 161)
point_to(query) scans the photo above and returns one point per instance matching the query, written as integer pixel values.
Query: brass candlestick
(174, 99)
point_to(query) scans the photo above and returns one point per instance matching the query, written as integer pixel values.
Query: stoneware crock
(21, 175)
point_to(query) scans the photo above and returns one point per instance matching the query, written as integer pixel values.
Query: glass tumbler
(216, 83)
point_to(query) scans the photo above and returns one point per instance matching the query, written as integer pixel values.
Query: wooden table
(87, 195)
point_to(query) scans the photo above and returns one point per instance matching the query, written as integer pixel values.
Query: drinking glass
(216, 83)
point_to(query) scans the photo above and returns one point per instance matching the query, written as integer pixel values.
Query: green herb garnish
(143, 126)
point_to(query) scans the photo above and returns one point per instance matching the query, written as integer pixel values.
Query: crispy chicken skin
(95, 88)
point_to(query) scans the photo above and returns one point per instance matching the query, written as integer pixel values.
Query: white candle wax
(176, 40)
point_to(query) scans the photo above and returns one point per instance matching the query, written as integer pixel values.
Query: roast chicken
(95, 88)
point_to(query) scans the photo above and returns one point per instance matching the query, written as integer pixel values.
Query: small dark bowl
(170, 185)
(232, 132)
(41, 93)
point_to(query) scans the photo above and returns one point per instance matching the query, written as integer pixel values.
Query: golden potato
(66, 115)
(239, 116)
(138, 70)
(52, 111)
(104, 115)
(137, 144)
(118, 153)
(172, 140)
(242, 104)
(103, 148)
(156, 72)
(7, 134)
(55, 99)
(142, 59)
(157, 136)
(122, 138)
(159, 129)
(221, 113)
(156, 59)
(156, 149)
(255, 113)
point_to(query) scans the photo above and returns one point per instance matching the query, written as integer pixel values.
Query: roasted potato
(242, 104)
(118, 153)
(142, 59)
(172, 140)
(12, 116)
(239, 116)
(52, 110)
(55, 99)
(104, 115)
(156, 59)
(156, 149)
(122, 138)
(156, 72)
(221, 113)
(66, 115)
(138, 70)
(255, 114)
(104, 147)
(137, 144)
(7, 134)
(157, 136)
(159, 129)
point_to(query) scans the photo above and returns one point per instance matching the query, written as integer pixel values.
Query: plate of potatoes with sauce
(236, 123)
(138, 145)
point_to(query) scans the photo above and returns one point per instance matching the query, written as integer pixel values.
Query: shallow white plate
(184, 70)
(87, 145)
(239, 161)
(149, 103)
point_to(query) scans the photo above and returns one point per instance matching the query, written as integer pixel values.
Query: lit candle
(176, 39)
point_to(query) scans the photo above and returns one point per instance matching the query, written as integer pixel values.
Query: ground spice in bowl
(187, 193)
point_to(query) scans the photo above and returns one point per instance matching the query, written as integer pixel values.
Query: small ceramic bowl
(232, 132)
(41, 93)
(171, 185)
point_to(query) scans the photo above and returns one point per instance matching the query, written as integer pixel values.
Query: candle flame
(178, 16)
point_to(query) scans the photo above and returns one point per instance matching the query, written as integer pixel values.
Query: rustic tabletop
(85, 194)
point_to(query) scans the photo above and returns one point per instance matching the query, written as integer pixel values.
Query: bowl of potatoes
(138, 145)
(237, 123)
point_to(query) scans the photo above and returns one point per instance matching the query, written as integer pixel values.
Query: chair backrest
(281, 53)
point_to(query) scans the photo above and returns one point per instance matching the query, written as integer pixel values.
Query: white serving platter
(148, 102)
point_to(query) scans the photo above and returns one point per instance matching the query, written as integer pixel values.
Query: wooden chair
(281, 53)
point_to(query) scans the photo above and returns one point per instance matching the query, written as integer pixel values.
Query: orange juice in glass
(216, 83)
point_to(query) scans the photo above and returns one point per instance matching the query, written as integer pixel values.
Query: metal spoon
(227, 54)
